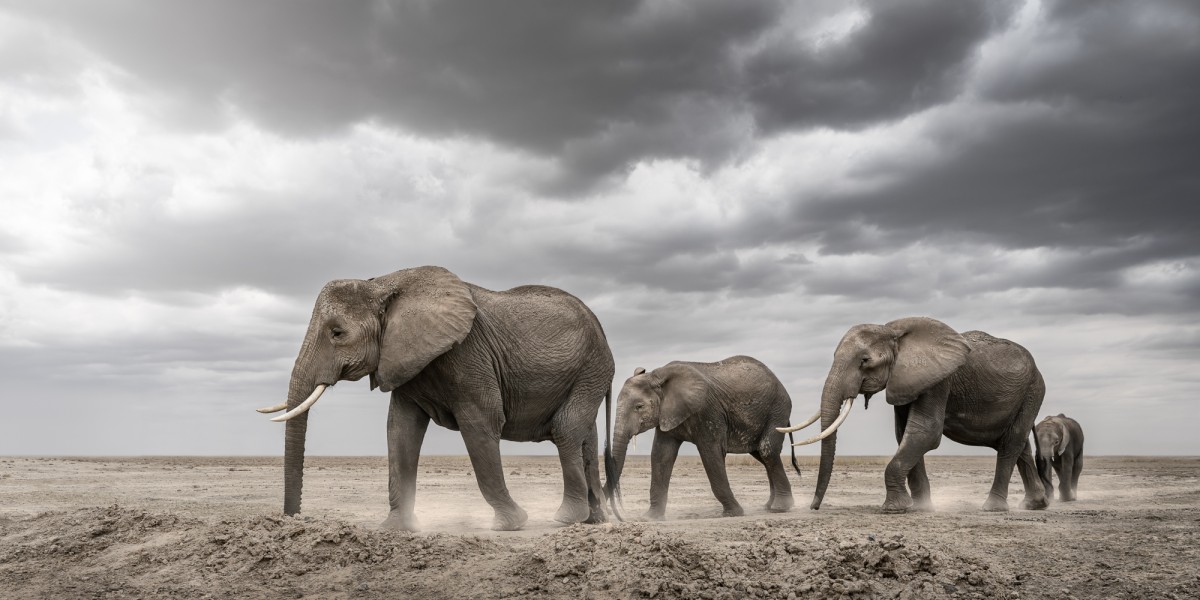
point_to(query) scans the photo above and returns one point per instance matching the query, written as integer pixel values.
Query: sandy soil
(189, 527)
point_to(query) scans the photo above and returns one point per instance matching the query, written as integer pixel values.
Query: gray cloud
(597, 87)
(206, 167)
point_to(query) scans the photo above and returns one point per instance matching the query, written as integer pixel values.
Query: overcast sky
(179, 179)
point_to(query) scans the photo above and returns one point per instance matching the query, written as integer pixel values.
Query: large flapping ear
(927, 351)
(426, 311)
(1063, 440)
(685, 391)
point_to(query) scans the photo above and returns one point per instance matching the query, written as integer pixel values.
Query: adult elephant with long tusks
(973, 388)
(722, 407)
(529, 364)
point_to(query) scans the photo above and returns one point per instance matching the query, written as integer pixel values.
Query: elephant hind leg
(571, 437)
(780, 499)
(1031, 478)
(591, 465)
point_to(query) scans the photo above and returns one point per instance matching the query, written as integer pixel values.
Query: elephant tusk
(813, 419)
(299, 410)
(271, 409)
(833, 427)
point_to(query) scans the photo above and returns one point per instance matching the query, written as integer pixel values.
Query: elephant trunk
(833, 394)
(621, 439)
(302, 383)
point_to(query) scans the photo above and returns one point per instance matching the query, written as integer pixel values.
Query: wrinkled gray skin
(529, 364)
(973, 388)
(1059, 441)
(732, 406)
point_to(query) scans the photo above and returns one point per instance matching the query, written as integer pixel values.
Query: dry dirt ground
(190, 527)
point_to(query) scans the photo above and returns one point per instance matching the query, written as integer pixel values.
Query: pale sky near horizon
(179, 179)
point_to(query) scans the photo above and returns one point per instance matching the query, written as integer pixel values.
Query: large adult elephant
(973, 388)
(729, 406)
(529, 364)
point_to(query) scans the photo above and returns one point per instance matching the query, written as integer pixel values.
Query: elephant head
(662, 398)
(388, 328)
(905, 357)
(1052, 438)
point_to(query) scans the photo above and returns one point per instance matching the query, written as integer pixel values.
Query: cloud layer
(713, 179)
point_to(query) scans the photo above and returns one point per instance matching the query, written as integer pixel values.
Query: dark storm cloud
(1084, 152)
(905, 57)
(598, 86)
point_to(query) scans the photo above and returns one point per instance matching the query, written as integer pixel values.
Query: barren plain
(211, 527)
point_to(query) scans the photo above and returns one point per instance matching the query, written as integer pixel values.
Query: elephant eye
(338, 332)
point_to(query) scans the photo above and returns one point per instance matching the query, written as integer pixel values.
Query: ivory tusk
(813, 419)
(833, 427)
(299, 410)
(271, 409)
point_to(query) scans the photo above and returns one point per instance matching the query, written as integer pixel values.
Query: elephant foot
(571, 512)
(1035, 503)
(780, 504)
(510, 520)
(733, 511)
(896, 503)
(995, 503)
(397, 522)
(654, 515)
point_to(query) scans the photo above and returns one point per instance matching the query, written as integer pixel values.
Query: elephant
(529, 364)
(1059, 443)
(975, 389)
(729, 406)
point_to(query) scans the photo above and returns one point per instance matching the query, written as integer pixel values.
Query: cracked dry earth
(188, 527)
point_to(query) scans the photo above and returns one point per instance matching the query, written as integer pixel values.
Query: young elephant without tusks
(728, 406)
(1060, 444)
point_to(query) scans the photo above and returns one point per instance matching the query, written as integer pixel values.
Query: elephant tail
(611, 488)
(795, 465)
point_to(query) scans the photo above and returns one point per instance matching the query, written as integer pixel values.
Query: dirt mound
(768, 559)
(119, 552)
(115, 552)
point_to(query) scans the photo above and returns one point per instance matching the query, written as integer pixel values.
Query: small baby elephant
(722, 407)
(1059, 442)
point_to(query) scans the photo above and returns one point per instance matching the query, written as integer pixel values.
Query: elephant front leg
(919, 429)
(713, 459)
(406, 427)
(662, 463)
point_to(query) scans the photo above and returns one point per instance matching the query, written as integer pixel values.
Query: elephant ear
(927, 351)
(1063, 439)
(684, 392)
(426, 311)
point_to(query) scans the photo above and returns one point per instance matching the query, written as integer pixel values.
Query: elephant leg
(1031, 479)
(1011, 451)
(483, 447)
(662, 462)
(575, 507)
(591, 466)
(921, 432)
(780, 499)
(1078, 468)
(713, 459)
(406, 427)
(918, 478)
(1066, 491)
